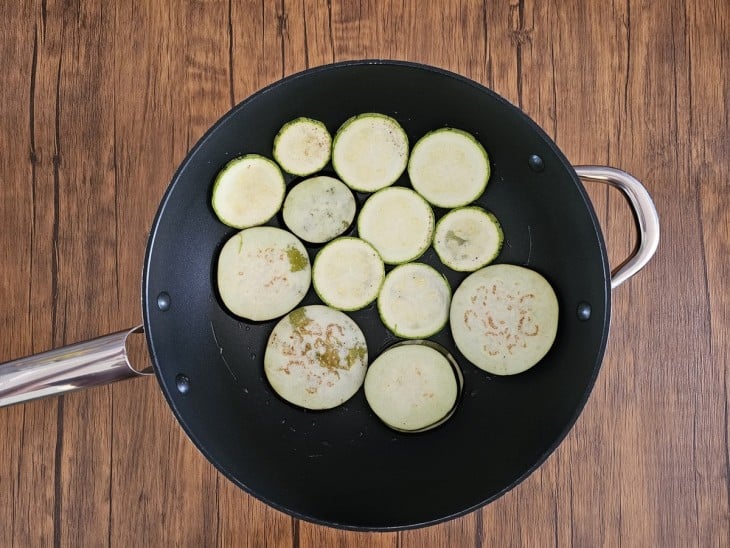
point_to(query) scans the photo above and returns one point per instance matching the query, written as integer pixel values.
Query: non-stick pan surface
(343, 467)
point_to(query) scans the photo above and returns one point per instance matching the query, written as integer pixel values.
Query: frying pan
(343, 467)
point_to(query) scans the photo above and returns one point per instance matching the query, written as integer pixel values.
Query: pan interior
(343, 467)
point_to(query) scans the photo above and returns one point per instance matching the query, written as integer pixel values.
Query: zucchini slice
(398, 222)
(319, 209)
(347, 273)
(263, 273)
(303, 146)
(504, 318)
(414, 301)
(412, 387)
(370, 152)
(248, 191)
(316, 357)
(468, 238)
(449, 167)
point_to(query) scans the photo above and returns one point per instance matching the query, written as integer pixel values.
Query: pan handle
(644, 211)
(90, 363)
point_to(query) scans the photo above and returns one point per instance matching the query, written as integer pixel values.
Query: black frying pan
(343, 467)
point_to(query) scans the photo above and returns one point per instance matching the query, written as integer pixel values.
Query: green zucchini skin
(414, 301)
(348, 273)
(468, 238)
(449, 167)
(370, 151)
(248, 191)
(319, 209)
(412, 387)
(303, 146)
(398, 222)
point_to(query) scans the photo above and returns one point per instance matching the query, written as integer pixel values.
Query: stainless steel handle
(90, 363)
(644, 211)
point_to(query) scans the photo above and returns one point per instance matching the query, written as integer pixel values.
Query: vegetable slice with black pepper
(319, 209)
(302, 146)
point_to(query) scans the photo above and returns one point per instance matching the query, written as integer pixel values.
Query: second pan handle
(644, 211)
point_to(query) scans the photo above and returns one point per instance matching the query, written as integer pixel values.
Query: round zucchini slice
(468, 238)
(319, 209)
(263, 273)
(398, 222)
(370, 152)
(248, 191)
(347, 273)
(414, 301)
(412, 386)
(504, 318)
(316, 357)
(449, 167)
(303, 146)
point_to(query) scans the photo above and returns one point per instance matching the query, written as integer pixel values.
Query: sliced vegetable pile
(503, 318)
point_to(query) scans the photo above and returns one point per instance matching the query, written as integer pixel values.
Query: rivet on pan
(536, 163)
(182, 383)
(163, 301)
(584, 311)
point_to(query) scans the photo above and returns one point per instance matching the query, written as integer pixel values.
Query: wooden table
(101, 101)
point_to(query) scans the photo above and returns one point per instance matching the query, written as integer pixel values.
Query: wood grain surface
(101, 100)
